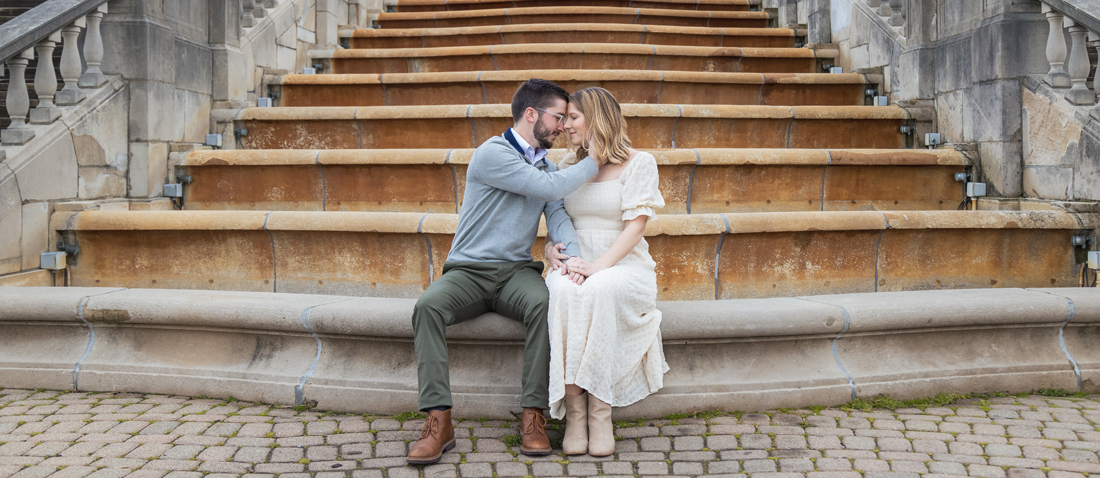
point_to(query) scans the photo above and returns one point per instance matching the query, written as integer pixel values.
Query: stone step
(650, 126)
(697, 181)
(405, 6)
(576, 56)
(575, 15)
(698, 256)
(647, 87)
(355, 355)
(569, 33)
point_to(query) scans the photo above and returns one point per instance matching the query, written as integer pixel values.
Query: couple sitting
(593, 337)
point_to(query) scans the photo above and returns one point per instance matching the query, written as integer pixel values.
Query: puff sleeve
(640, 192)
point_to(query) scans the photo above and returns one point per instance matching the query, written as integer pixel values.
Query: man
(509, 184)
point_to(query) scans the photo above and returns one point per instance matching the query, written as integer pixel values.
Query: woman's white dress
(605, 335)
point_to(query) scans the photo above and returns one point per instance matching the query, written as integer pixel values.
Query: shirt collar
(531, 153)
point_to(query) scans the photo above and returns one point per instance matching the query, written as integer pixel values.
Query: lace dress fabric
(605, 335)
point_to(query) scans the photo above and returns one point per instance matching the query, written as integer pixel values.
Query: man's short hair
(536, 93)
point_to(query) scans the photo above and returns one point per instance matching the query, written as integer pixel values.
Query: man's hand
(555, 256)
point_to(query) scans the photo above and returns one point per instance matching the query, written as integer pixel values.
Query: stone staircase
(781, 181)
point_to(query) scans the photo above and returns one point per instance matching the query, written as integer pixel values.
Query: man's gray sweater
(505, 195)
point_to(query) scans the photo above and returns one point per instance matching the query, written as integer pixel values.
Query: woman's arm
(630, 237)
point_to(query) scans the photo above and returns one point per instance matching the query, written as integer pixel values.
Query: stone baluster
(248, 19)
(1094, 40)
(1056, 49)
(258, 9)
(885, 9)
(45, 82)
(1078, 67)
(874, 3)
(93, 50)
(270, 3)
(19, 101)
(70, 65)
(897, 18)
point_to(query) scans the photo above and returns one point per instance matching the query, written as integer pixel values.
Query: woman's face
(575, 126)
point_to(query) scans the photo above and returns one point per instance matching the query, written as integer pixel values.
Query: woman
(605, 335)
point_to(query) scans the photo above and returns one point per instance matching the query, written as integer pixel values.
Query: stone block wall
(172, 65)
(1061, 146)
(967, 59)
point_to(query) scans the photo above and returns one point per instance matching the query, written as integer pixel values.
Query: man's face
(548, 126)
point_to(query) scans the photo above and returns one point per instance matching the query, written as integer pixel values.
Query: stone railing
(36, 34)
(892, 11)
(1069, 63)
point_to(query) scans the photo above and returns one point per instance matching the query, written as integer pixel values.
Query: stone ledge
(731, 355)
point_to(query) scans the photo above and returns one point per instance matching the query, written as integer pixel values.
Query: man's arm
(512, 173)
(560, 227)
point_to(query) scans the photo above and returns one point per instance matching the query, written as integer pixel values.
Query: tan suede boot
(576, 425)
(601, 435)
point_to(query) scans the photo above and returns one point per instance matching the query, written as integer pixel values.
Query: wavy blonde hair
(606, 135)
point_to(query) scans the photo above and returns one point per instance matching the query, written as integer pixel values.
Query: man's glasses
(561, 118)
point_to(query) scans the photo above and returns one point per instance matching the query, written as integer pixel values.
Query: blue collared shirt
(530, 153)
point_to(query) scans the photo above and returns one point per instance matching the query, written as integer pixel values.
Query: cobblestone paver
(120, 435)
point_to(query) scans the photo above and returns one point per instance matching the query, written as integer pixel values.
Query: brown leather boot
(535, 442)
(437, 437)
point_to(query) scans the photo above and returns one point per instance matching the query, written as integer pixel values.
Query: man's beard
(542, 135)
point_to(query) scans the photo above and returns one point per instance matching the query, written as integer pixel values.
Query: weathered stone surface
(148, 169)
(35, 237)
(11, 212)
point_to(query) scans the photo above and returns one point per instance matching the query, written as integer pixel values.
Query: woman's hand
(575, 277)
(580, 266)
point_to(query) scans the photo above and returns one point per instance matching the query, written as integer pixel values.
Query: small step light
(173, 191)
(1094, 260)
(932, 140)
(309, 71)
(880, 101)
(264, 102)
(975, 190)
(214, 140)
(1082, 241)
(962, 177)
(52, 260)
(836, 69)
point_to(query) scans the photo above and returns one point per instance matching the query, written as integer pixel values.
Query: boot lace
(431, 426)
(536, 425)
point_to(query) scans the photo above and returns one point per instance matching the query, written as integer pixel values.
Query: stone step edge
(666, 224)
(629, 110)
(448, 3)
(355, 354)
(535, 27)
(664, 157)
(578, 48)
(511, 76)
(570, 10)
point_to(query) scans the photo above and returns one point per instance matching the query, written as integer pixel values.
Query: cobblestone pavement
(115, 435)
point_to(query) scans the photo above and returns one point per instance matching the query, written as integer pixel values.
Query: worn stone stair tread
(664, 157)
(452, 5)
(266, 347)
(651, 126)
(576, 56)
(628, 86)
(696, 181)
(569, 14)
(664, 224)
(568, 33)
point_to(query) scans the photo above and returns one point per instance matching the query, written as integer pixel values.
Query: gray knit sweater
(505, 195)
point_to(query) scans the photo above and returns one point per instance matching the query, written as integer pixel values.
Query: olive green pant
(466, 290)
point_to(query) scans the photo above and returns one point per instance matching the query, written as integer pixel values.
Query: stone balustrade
(50, 99)
(1069, 63)
(892, 11)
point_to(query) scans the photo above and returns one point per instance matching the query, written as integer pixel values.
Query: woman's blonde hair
(606, 135)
